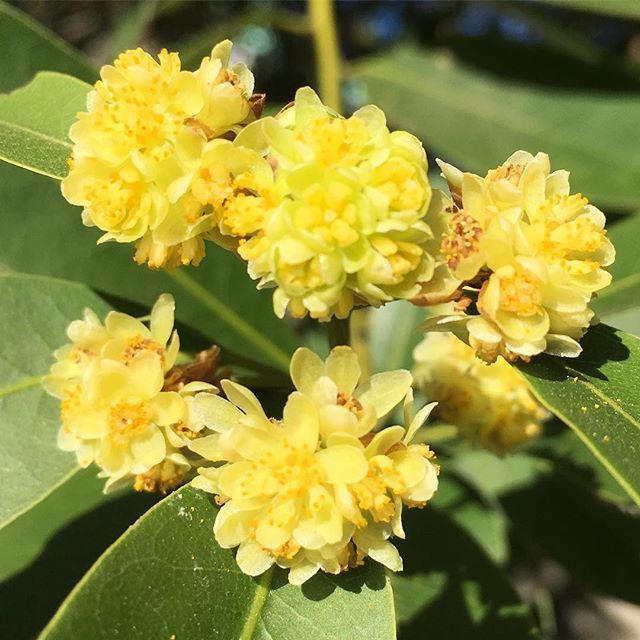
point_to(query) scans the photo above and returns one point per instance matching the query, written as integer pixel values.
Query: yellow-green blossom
(348, 225)
(114, 411)
(303, 501)
(140, 143)
(490, 403)
(343, 405)
(527, 252)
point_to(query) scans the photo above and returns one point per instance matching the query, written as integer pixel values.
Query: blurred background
(475, 81)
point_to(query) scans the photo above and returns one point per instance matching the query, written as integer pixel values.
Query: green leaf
(477, 121)
(596, 541)
(219, 297)
(167, 575)
(450, 588)
(34, 137)
(34, 315)
(27, 47)
(619, 8)
(556, 512)
(619, 303)
(598, 396)
(478, 514)
(55, 543)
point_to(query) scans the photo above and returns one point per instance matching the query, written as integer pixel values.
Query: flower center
(462, 239)
(520, 294)
(136, 345)
(126, 420)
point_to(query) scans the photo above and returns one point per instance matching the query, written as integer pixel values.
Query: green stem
(339, 332)
(232, 319)
(325, 38)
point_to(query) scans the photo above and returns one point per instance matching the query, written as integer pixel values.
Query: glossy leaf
(33, 317)
(598, 396)
(35, 137)
(596, 541)
(619, 303)
(555, 510)
(477, 121)
(27, 47)
(166, 576)
(55, 543)
(450, 588)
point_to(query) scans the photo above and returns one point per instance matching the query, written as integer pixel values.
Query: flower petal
(385, 390)
(301, 422)
(305, 368)
(343, 368)
(342, 464)
(162, 318)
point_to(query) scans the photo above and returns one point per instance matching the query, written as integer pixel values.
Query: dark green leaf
(556, 513)
(598, 396)
(167, 576)
(33, 317)
(54, 544)
(479, 515)
(477, 121)
(26, 47)
(450, 588)
(596, 541)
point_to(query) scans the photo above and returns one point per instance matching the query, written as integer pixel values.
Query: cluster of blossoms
(124, 406)
(322, 488)
(489, 403)
(153, 159)
(348, 226)
(328, 210)
(529, 254)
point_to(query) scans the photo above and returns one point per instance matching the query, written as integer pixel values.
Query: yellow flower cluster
(114, 409)
(328, 210)
(489, 403)
(153, 162)
(318, 489)
(347, 226)
(526, 251)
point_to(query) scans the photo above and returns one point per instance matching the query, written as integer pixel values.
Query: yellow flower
(527, 252)
(140, 142)
(114, 411)
(348, 223)
(121, 338)
(303, 501)
(490, 404)
(343, 405)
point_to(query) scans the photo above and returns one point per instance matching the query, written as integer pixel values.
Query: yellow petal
(385, 390)
(301, 422)
(343, 368)
(305, 368)
(342, 464)
(148, 449)
(168, 408)
(121, 325)
(216, 412)
(162, 318)
(252, 559)
(243, 398)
